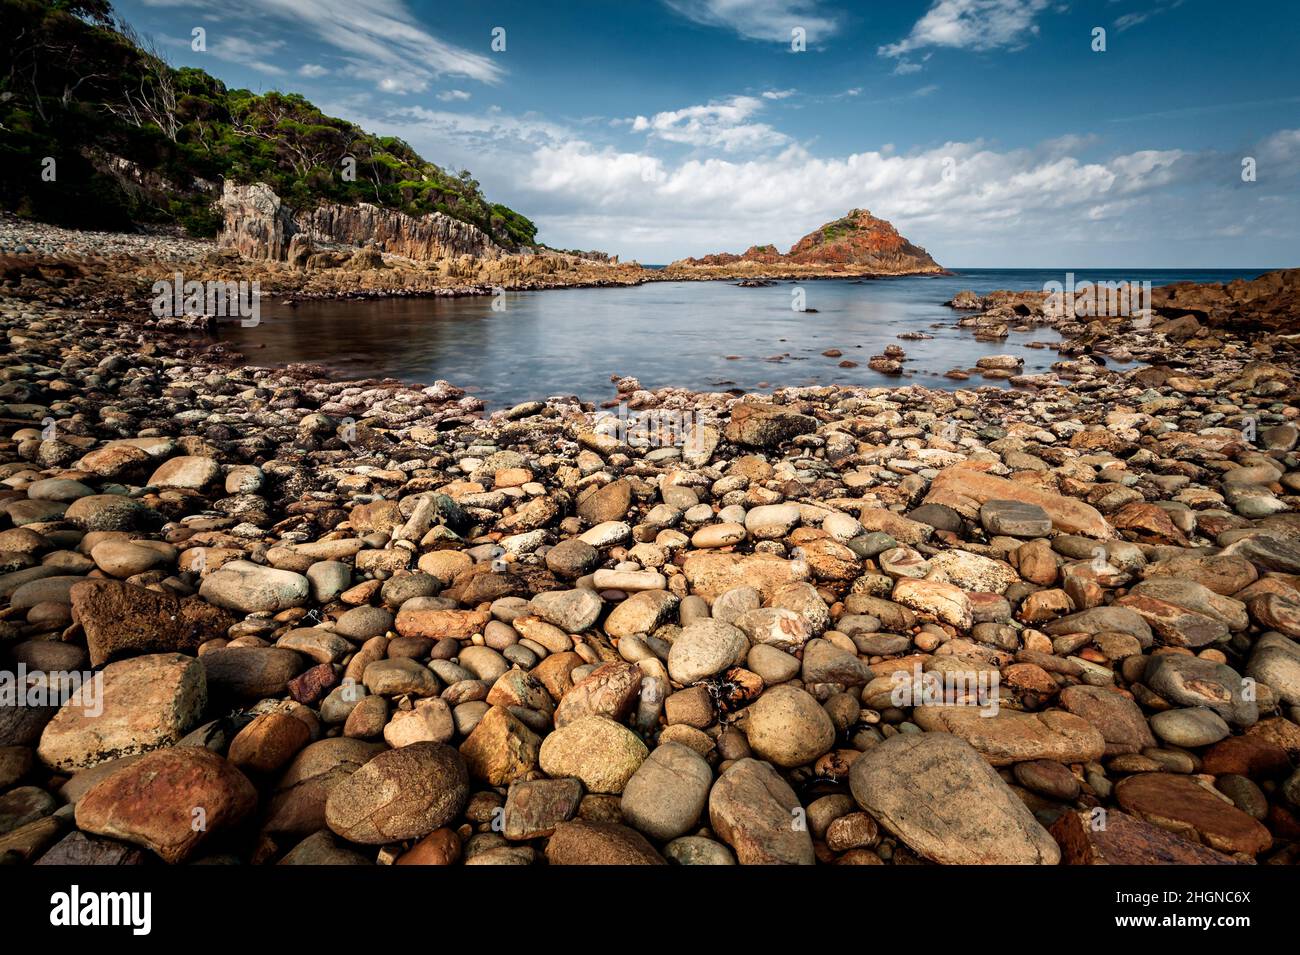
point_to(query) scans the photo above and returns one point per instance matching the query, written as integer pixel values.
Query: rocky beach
(263, 616)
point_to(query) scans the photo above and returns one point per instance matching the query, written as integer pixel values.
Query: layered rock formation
(258, 225)
(366, 249)
(425, 239)
(858, 243)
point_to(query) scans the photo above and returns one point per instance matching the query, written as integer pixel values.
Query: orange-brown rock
(1183, 806)
(1116, 838)
(964, 488)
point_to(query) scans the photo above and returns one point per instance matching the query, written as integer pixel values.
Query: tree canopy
(135, 140)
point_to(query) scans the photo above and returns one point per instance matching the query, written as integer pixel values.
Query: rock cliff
(258, 225)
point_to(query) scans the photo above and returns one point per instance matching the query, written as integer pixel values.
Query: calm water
(570, 341)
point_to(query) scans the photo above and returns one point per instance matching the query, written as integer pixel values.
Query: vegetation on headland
(135, 141)
(856, 243)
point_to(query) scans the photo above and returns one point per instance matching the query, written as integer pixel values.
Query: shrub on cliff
(136, 141)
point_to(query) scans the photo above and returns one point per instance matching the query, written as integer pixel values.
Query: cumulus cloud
(1055, 203)
(958, 199)
(971, 25)
(722, 125)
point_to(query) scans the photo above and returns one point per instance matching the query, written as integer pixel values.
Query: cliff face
(254, 222)
(259, 226)
(859, 241)
(339, 249)
(425, 239)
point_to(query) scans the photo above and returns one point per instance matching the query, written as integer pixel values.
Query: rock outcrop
(258, 225)
(859, 243)
(426, 238)
(1268, 303)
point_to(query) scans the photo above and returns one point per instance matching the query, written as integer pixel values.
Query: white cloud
(1282, 149)
(760, 19)
(721, 125)
(254, 54)
(380, 39)
(453, 96)
(1064, 201)
(312, 70)
(1027, 200)
(779, 94)
(1129, 20)
(971, 25)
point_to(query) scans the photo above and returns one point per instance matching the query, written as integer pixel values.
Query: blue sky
(988, 131)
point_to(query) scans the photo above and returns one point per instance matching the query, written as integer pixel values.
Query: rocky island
(858, 244)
